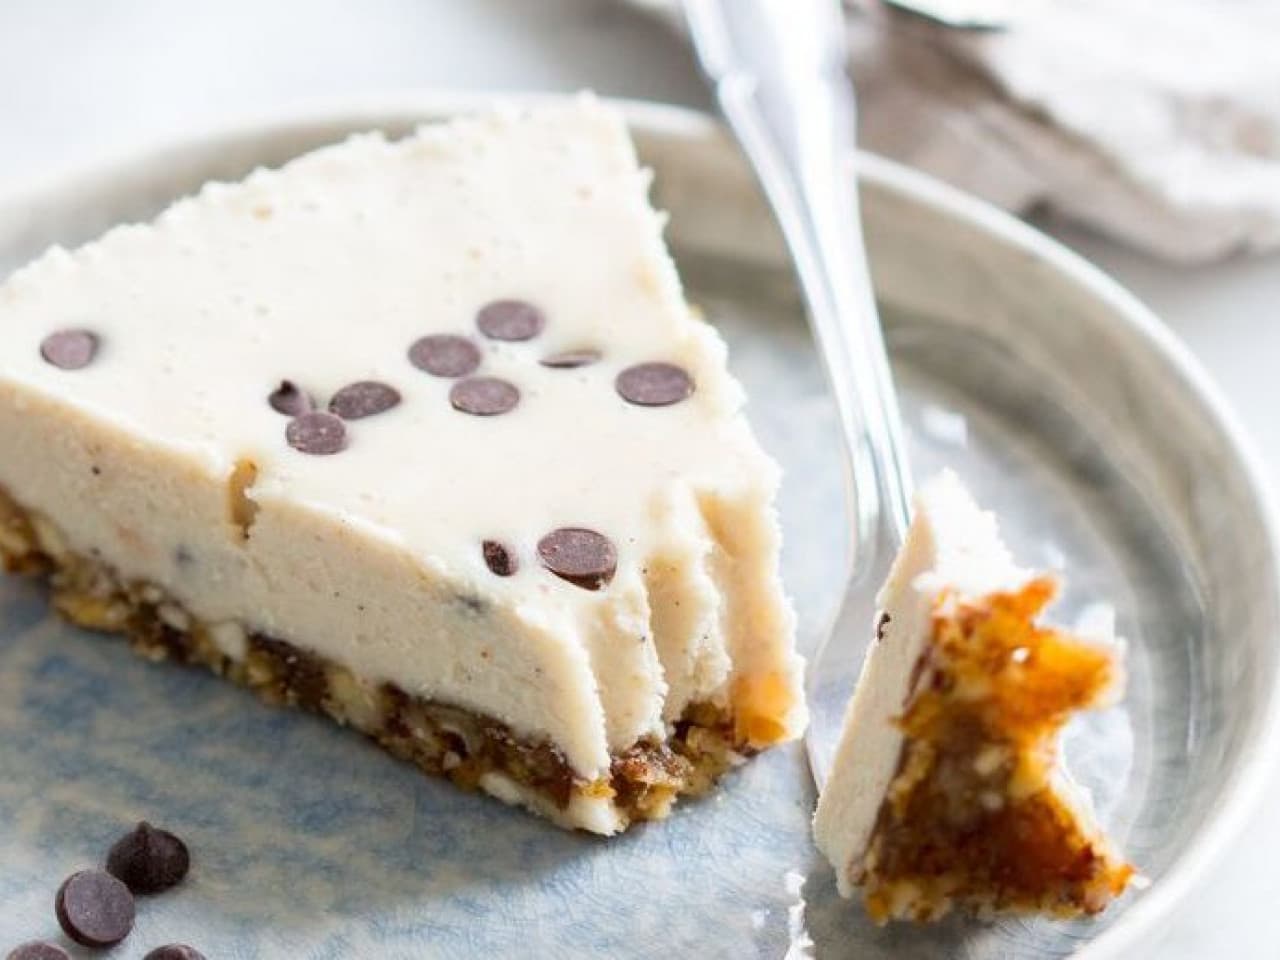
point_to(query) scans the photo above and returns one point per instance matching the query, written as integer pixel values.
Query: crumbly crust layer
(472, 750)
(974, 817)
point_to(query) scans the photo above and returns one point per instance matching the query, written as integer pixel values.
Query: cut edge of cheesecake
(702, 690)
(946, 790)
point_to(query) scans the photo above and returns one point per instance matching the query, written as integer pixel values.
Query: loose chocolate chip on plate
(149, 860)
(94, 908)
(70, 349)
(654, 384)
(484, 396)
(174, 951)
(445, 355)
(363, 399)
(510, 320)
(569, 359)
(290, 399)
(583, 557)
(499, 558)
(317, 433)
(38, 950)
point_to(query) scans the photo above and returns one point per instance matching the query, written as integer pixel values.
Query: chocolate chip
(484, 396)
(881, 624)
(94, 908)
(70, 349)
(363, 399)
(568, 359)
(510, 320)
(38, 950)
(317, 433)
(290, 399)
(583, 557)
(149, 860)
(175, 951)
(499, 558)
(654, 384)
(445, 355)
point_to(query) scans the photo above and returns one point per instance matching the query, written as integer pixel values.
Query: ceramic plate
(1053, 394)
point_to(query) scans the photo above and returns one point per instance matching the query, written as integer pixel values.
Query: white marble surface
(80, 79)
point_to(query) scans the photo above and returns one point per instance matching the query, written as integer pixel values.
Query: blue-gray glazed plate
(1061, 402)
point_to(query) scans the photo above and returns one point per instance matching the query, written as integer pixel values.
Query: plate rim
(1241, 792)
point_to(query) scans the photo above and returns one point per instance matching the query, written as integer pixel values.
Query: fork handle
(778, 70)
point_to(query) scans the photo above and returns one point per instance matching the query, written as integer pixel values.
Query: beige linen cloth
(1154, 121)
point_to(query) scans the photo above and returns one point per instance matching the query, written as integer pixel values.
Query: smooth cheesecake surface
(434, 410)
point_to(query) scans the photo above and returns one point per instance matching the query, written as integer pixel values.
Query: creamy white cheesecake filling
(163, 458)
(950, 545)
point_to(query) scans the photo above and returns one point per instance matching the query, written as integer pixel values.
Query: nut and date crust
(972, 818)
(438, 738)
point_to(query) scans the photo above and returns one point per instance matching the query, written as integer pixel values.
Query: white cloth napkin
(1155, 121)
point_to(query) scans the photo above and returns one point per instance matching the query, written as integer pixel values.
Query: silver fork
(778, 71)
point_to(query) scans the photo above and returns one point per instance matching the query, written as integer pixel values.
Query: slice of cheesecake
(421, 434)
(946, 789)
